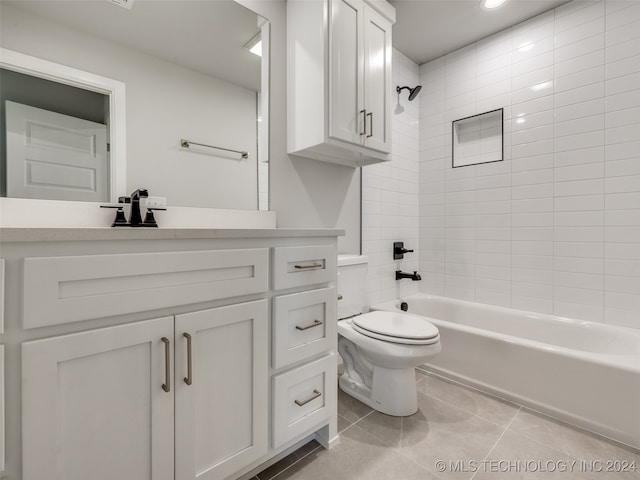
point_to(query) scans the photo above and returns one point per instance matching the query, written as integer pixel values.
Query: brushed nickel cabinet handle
(307, 267)
(370, 115)
(364, 122)
(315, 395)
(311, 325)
(167, 364)
(189, 378)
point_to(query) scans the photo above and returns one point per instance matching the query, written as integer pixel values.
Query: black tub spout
(413, 276)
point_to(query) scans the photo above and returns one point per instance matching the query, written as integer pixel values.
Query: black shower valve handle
(399, 250)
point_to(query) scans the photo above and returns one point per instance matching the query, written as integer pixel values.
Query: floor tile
(485, 406)
(437, 432)
(518, 457)
(569, 440)
(358, 456)
(350, 408)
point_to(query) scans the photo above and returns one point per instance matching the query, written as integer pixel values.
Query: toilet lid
(396, 327)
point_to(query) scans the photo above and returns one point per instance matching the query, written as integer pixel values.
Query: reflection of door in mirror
(56, 152)
(54, 156)
(188, 75)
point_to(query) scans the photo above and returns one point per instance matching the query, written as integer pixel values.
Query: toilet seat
(396, 327)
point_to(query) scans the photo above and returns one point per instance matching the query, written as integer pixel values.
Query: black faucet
(135, 219)
(413, 276)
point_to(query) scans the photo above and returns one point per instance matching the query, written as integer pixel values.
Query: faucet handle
(149, 219)
(120, 220)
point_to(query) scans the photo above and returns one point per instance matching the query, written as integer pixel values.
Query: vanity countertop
(25, 234)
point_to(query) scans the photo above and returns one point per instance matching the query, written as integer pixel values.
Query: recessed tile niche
(478, 139)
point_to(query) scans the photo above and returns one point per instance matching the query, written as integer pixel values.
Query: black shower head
(413, 92)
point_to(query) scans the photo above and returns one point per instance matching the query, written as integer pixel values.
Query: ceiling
(205, 36)
(428, 29)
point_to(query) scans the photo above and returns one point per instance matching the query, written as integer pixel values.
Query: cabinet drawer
(303, 397)
(60, 290)
(304, 324)
(300, 266)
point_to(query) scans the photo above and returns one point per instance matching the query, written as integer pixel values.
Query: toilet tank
(352, 279)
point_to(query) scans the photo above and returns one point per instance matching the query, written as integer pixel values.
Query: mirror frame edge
(114, 89)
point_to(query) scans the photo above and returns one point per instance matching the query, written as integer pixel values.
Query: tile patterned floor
(458, 433)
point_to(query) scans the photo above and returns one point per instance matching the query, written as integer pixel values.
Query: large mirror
(100, 98)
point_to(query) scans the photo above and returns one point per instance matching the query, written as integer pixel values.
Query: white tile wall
(390, 197)
(555, 227)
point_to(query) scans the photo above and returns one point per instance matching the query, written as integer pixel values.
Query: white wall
(303, 192)
(555, 228)
(390, 197)
(165, 103)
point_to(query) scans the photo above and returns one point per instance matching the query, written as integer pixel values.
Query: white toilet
(380, 350)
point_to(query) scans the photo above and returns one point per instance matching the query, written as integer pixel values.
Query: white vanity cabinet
(126, 382)
(153, 359)
(339, 80)
(222, 399)
(93, 405)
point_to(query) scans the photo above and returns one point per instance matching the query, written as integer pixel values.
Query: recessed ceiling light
(123, 3)
(255, 45)
(491, 4)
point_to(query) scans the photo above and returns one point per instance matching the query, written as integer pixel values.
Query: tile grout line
(498, 440)
(493, 397)
(575, 428)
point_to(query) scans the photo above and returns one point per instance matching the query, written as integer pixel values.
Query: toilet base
(393, 391)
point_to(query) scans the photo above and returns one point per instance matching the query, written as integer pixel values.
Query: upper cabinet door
(94, 406)
(339, 80)
(346, 67)
(221, 401)
(378, 88)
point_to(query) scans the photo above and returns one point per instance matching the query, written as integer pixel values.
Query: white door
(377, 80)
(55, 156)
(346, 64)
(94, 406)
(221, 416)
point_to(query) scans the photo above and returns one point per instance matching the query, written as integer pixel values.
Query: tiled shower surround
(555, 227)
(390, 194)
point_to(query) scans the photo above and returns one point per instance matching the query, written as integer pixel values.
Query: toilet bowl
(380, 350)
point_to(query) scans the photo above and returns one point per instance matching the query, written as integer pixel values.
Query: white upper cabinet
(340, 80)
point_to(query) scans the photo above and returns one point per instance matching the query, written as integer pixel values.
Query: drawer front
(69, 289)
(303, 398)
(300, 266)
(304, 325)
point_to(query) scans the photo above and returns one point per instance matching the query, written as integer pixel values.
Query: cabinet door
(377, 80)
(346, 67)
(94, 407)
(221, 416)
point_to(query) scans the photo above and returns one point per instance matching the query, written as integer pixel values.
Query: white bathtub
(585, 373)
